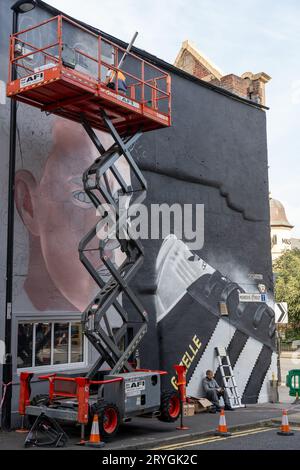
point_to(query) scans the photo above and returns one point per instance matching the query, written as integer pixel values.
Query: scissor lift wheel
(108, 418)
(170, 407)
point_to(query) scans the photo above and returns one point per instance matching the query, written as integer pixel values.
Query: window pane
(25, 338)
(43, 344)
(61, 343)
(76, 342)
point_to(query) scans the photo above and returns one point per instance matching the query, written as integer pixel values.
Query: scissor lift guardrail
(65, 78)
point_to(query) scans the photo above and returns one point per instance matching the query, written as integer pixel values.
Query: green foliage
(287, 288)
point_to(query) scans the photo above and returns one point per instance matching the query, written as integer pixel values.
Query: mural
(189, 293)
(207, 159)
(56, 214)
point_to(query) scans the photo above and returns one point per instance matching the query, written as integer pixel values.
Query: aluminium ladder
(229, 382)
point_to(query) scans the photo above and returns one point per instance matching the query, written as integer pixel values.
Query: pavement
(149, 433)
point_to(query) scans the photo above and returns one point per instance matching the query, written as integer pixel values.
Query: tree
(287, 288)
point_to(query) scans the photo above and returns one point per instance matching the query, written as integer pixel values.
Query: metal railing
(146, 83)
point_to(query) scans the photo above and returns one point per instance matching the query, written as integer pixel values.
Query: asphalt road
(252, 439)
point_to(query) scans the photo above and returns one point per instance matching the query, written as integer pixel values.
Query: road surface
(265, 438)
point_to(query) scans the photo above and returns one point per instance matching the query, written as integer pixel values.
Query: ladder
(228, 378)
(95, 319)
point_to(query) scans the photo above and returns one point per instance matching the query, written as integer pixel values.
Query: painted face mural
(57, 213)
(50, 200)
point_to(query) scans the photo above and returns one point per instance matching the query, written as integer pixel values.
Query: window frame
(69, 366)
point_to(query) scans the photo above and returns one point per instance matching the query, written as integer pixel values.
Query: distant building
(295, 243)
(281, 230)
(249, 86)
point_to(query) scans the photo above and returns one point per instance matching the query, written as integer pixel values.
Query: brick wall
(200, 71)
(235, 84)
(250, 86)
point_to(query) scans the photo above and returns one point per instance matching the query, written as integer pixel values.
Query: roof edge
(153, 59)
(282, 225)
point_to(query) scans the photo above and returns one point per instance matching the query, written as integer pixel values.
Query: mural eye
(82, 198)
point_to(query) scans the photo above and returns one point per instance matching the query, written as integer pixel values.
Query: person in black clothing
(213, 392)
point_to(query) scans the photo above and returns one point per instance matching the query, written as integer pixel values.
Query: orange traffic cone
(95, 440)
(222, 428)
(285, 429)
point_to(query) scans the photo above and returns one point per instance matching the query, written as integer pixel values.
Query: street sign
(253, 298)
(256, 277)
(281, 312)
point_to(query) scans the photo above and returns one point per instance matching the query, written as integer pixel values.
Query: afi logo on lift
(32, 79)
(138, 384)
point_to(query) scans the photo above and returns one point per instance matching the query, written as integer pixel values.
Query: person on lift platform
(113, 77)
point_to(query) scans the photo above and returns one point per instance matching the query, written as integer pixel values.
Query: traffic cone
(95, 439)
(285, 429)
(222, 428)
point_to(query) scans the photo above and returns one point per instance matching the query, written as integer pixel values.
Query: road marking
(207, 440)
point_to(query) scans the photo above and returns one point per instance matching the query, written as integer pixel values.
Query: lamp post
(20, 7)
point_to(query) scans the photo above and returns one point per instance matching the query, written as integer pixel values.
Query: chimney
(256, 84)
(249, 86)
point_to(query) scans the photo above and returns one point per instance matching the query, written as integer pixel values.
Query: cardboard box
(188, 409)
(200, 404)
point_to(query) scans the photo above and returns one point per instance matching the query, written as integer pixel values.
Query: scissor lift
(69, 82)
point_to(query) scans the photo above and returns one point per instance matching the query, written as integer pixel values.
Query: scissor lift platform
(58, 83)
(76, 75)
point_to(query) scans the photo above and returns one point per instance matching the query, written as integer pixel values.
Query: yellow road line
(212, 439)
(207, 440)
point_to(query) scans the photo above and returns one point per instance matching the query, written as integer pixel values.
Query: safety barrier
(293, 382)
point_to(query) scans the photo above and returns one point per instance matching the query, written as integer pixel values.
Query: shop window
(50, 344)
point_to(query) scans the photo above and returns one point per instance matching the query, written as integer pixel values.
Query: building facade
(214, 154)
(281, 230)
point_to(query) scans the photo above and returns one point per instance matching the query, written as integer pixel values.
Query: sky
(256, 36)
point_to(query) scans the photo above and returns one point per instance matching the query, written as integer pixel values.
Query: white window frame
(69, 366)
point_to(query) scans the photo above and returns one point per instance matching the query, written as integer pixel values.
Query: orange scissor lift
(71, 76)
